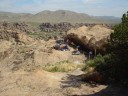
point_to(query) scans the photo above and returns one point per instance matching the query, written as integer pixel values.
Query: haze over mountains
(56, 17)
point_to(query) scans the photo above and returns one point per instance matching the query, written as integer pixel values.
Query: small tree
(119, 48)
(114, 65)
(120, 35)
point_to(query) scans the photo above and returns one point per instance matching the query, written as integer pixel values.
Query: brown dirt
(21, 72)
(42, 83)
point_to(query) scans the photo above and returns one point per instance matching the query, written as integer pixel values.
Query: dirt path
(42, 83)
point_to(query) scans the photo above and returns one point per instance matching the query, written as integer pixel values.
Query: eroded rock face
(21, 37)
(13, 36)
(91, 38)
(5, 49)
(15, 32)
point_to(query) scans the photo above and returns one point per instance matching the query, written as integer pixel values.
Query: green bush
(114, 65)
(97, 61)
(119, 50)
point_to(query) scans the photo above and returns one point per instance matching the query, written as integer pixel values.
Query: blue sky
(91, 7)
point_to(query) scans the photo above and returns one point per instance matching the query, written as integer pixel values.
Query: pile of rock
(58, 27)
(23, 27)
(65, 26)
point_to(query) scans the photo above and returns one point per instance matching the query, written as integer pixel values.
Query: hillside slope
(57, 16)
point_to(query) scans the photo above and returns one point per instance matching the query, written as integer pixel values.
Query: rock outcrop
(65, 26)
(14, 36)
(23, 27)
(90, 38)
(59, 27)
(14, 32)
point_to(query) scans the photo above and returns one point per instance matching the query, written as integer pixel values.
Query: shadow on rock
(109, 91)
(75, 81)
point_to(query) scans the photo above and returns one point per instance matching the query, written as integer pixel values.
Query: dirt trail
(42, 83)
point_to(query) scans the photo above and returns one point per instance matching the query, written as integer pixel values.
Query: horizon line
(58, 10)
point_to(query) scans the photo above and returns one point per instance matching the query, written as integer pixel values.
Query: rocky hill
(23, 59)
(56, 17)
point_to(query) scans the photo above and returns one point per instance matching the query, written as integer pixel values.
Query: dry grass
(63, 66)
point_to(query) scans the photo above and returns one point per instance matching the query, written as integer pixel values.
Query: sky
(91, 7)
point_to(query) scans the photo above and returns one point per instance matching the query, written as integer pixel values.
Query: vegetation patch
(45, 35)
(114, 65)
(63, 66)
(97, 61)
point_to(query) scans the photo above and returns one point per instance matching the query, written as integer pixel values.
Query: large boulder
(21, 37)
(90, 38)
(5, 49)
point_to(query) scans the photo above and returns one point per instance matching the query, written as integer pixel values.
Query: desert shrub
(98, 63)
(45, 35)
(98, 60)
(63, 66)
(119, 49)
(111, 66)
(114, 65)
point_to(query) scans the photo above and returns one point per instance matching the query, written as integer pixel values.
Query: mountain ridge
(57, 16)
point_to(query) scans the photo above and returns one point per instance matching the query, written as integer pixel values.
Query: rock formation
(23, 27)
(14, 32)
(59, 27)
(65, 26)
(90, 38)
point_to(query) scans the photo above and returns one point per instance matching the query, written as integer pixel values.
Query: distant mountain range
(56, 17)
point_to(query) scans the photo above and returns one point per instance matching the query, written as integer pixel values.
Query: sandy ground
(21, 73)
(42, 83)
